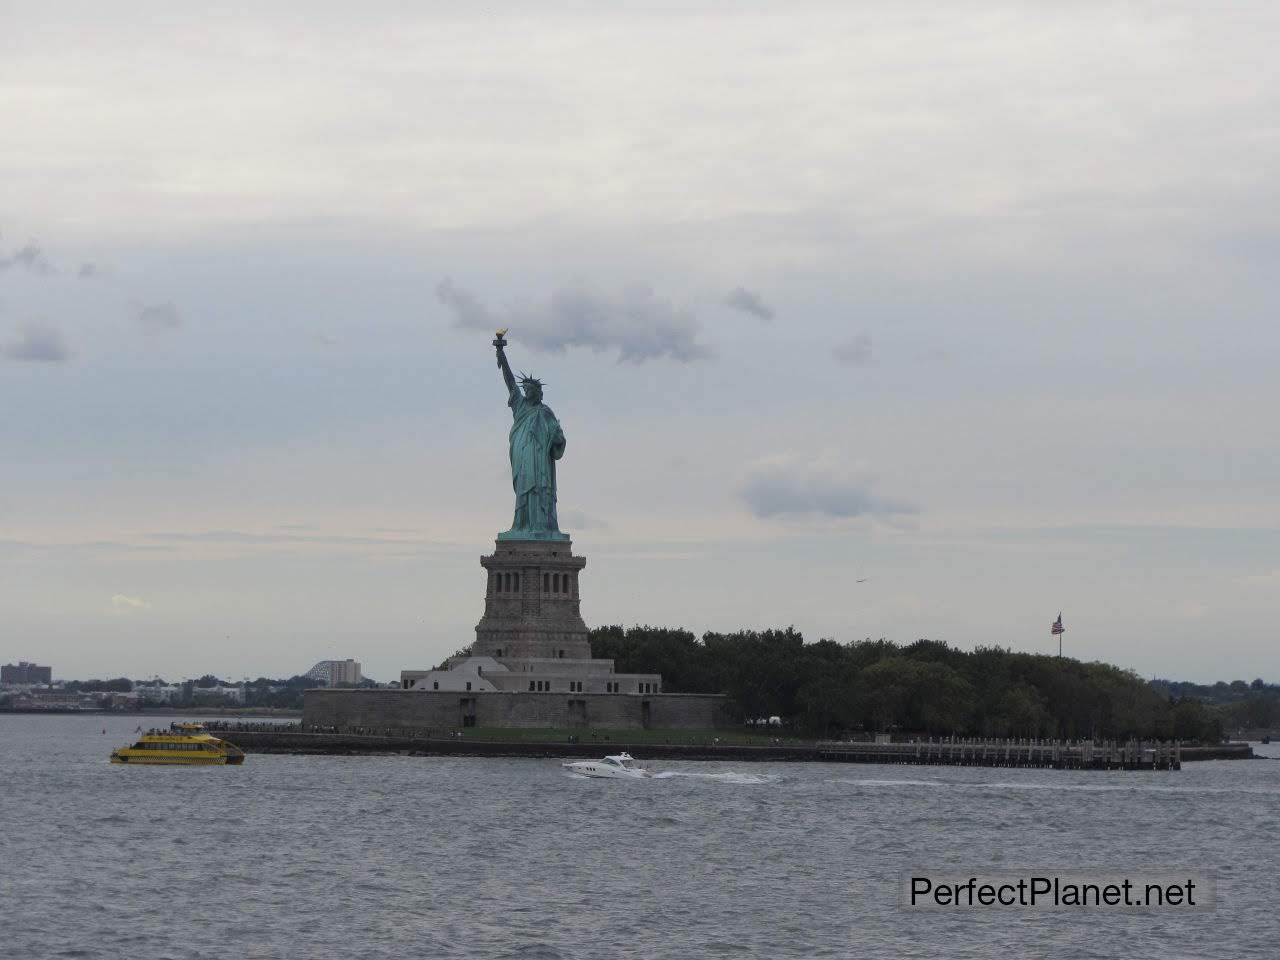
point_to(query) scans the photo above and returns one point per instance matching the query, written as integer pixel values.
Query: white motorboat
(620, 766)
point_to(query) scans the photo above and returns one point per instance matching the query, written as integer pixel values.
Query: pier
(1042, 754)
(1045, 754)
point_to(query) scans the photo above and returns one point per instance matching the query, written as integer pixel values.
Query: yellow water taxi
(185, 743)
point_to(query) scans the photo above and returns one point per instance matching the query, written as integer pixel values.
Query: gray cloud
(236, 536)
(740, 298)
(467, 310)
(858, 351)
(29, 257)
(87, 271)
(635, 322)
(266, 539)
(154, 319)
(790, 488)
(577, 520)
(39, 342)
(88, 546)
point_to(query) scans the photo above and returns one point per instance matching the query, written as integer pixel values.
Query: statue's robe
(536, 442)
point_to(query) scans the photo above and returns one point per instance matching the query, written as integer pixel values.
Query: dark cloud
(87, 271)
(154, 319)
(467, 310)
(30, 258)
(37, 342)
(635, 322)
(858, 351)
(740, 298)
(788, 488)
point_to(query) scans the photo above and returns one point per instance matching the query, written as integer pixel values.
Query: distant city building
(224, 693)
(25, 673)
(56, 700)
(160, 693)
(334, 672)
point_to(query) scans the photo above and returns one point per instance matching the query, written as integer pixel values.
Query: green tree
(1190, 719)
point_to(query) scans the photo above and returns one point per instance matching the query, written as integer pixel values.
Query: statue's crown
(528, 380)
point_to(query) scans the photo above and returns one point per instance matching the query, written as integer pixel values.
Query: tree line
(926, 687)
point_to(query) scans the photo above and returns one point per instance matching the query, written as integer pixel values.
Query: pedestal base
(532, 604)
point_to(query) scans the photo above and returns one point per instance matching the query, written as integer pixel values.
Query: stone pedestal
(531, 604)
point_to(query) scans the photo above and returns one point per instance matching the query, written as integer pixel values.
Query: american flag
(1057, 627)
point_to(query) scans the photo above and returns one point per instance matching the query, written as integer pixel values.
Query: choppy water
(380, 857)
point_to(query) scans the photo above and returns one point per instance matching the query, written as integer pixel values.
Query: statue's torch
(500, 341)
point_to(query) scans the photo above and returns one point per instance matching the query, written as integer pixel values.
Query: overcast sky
(975, 303)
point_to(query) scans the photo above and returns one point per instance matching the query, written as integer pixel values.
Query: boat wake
(893, 783)
(736, 779)
(741, 779)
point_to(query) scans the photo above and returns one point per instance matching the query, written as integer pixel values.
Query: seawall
(295, 742)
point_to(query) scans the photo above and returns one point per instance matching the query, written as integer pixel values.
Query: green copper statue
(537, 442)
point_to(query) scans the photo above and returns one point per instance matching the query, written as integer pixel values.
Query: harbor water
(390, 856)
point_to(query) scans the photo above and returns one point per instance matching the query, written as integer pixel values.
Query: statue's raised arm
(508, 377)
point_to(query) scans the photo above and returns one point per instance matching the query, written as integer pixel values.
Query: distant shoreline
(157, 711)
(227, 711)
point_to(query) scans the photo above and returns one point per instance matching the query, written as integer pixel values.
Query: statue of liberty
(536, 442)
